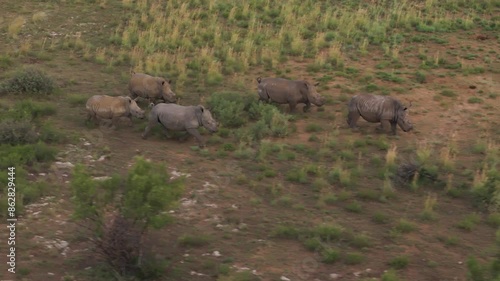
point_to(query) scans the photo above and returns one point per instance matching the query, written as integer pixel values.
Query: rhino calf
(151, 88)
(112, 108)
(291, 92)
(379, 109)
(176, 117)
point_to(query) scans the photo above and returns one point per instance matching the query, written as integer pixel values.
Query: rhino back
(144, 85)
(373, 108)
(176, 117)
(282, 90)
(108, 107)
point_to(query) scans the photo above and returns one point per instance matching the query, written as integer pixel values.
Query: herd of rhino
(174, 117)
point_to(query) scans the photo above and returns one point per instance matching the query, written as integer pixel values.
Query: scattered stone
(216, 254)
(242, 226)
(460, 262)
(102, 158)
(64, 165)
(284, 278)
(87, 143)
(101, 178)
(219, 225)
(358, 273)
(42, 174)
(88, 268)
(211, 205)
(334, 276)
(50, 273)
(60, 244)
(234, 206)
(196, 273)
(186, 255)
(187, 202)
(235, 230)
(176, 174)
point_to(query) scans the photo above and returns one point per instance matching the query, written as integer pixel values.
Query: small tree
(119, 211)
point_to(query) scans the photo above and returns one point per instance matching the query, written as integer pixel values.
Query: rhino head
(166, 91)
(135, 110)
(313, 96)
(205, 118)
(403, 119)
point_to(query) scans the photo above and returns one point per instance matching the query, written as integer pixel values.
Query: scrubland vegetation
(418, 206)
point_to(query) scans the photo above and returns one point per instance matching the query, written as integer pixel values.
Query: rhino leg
(352, 119)
(306, 107)
(384, 125)
(196, 134)
(150, 125)
(393, 127)
(115, 121)
(292, 106)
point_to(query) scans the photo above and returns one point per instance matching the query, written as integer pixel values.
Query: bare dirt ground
(225, 209)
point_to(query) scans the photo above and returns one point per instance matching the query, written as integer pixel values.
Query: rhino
(291, 92)
(112, 108)
(379, 109)
(151, 88)
(175, 117)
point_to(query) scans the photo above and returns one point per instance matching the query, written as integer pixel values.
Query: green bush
(49, 134)
(27, 154)
(147, 194)
(229, 108)
(28, 110)
(17, 132)
(29, 81)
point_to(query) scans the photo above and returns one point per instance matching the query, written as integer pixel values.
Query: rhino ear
(169, 81)
(201, 108)
(163, 82)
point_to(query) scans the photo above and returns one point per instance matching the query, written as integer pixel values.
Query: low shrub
(29, 81)
(17, 132)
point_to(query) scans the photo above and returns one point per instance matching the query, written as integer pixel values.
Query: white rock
(60, 244)
(87, 143)
(216, 254)
(50, 273)
(211, 205)
(64, 165)
(284, 278)
(334, 276)
(101, 178)
(42, 174)
(102, 158)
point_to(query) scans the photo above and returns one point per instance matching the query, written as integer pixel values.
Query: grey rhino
(151, 88)
(291, 92)
(112, 108)
(176, 117)
(374, 109)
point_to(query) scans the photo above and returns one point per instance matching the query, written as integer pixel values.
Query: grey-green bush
(29, 81)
